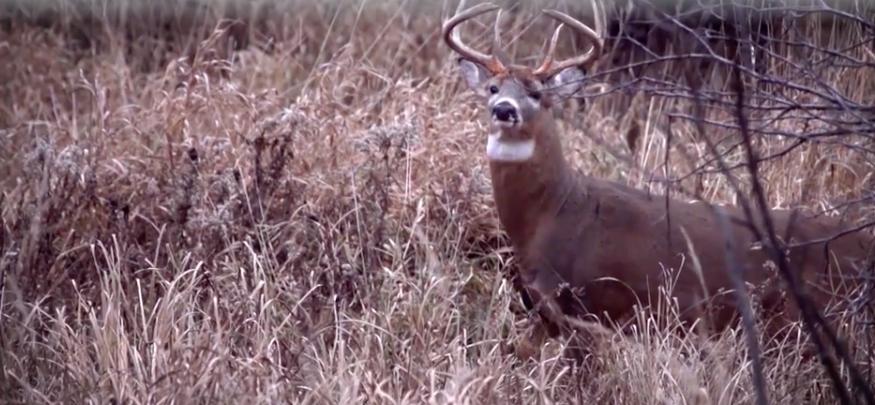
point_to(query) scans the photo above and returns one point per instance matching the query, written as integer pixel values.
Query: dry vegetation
(300, 212)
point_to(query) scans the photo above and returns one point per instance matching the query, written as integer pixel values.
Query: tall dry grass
(299, 212)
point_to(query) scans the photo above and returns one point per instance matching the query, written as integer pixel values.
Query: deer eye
(493, 89)
(535, 95)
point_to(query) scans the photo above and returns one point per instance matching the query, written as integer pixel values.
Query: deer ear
(474, 74)
(567, 82)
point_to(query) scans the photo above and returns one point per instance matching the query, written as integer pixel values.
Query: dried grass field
(295, 208)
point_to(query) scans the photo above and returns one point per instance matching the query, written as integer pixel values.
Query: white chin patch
(504, 150)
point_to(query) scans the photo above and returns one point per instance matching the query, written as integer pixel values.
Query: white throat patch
(503, 150)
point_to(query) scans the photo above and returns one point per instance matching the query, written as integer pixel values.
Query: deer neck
(527, 192)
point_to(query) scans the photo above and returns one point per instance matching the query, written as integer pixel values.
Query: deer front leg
(558, 310)
(546, 324)
(540, 290)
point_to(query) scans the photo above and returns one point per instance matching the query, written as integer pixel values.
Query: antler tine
(551, 49)
(454, 41)
(549, 66)
(496, 39)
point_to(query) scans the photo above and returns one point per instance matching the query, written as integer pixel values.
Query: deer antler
(454, 41)
(550, 66)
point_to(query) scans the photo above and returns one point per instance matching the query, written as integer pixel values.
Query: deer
(589, 247)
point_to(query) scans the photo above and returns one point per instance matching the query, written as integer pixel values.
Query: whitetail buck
(606, 241)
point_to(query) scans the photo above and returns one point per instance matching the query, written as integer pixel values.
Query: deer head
(519, 98)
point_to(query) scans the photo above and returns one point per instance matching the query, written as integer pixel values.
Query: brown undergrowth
(299, 212)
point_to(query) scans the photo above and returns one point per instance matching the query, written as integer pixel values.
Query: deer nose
(504, 111)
